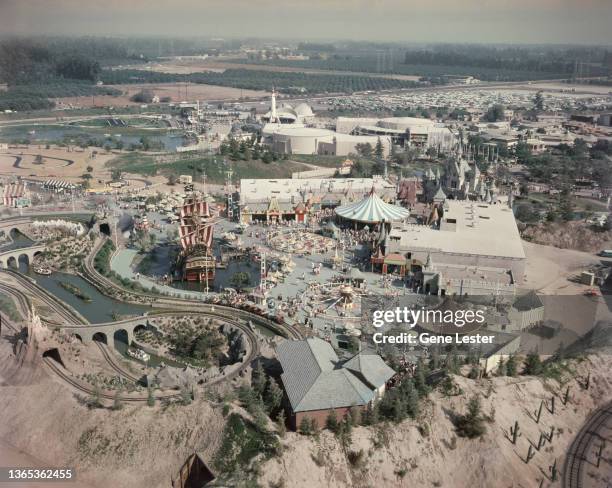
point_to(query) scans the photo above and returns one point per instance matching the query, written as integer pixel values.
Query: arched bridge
(106, 332)
(12, 257)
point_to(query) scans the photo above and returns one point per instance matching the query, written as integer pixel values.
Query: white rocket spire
(273, 116)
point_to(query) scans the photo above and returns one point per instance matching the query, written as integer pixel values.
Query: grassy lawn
(8, 307)
(580, 204)
(214, 168)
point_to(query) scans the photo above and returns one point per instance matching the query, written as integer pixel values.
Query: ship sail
(197, 224)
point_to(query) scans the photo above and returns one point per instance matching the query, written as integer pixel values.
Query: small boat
(138, 354)
(42, 271)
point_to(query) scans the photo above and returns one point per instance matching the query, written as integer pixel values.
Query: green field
(214, 167)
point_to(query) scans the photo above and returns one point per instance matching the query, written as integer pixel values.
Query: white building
(477, 244)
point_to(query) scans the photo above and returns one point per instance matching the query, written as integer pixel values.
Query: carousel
(372, 210)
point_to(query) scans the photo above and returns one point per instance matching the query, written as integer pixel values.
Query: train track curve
(578, 450)
(23, 304)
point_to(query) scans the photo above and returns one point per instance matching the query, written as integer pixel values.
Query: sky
(481, 21)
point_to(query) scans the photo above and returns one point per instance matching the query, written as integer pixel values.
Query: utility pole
(229, 194)
(262, 273)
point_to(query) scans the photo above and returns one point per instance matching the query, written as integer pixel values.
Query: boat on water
(138, 354)
(41, 270)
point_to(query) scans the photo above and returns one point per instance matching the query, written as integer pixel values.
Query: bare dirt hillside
(572, 235)
(137, 446)
(142, 447)
(428, 453)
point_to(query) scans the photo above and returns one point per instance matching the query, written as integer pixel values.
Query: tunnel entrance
(105, 229)
(100, 337)
(55, 355)
(193, 474)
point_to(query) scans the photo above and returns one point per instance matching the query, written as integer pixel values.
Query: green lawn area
(8, 307)
(580, 204)
(214, 168)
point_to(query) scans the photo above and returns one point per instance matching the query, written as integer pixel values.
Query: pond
(18, 241)
(59, 133)
(99, 310)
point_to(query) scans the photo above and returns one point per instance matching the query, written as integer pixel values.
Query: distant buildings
(290, 130)
(294, 199)
(317, 383)
(285, 132)
(15, 195)
(403, 131)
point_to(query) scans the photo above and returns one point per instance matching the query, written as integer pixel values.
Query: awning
(395, 259)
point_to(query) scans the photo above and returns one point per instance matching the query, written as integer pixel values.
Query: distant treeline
(35, 71)
(317, 47)
(586, 61)
(291, 83)
(24, 98)
(36, 59)
(485, 63)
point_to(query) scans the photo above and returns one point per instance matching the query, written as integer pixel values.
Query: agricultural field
(249, 79)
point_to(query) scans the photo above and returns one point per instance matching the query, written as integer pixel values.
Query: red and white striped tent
(12, 193)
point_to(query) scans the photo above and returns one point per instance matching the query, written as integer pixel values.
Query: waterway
(59, 133)
(101, 308)
(18, 241)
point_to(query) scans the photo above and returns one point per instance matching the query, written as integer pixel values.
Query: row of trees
(248, 150)
(285, 82)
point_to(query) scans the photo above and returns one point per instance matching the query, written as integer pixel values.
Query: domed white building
(286, 114)
(286, 133)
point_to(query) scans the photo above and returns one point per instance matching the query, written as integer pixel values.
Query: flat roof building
(289, 199)
(481, 238)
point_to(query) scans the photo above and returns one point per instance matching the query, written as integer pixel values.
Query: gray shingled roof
(314, 379)
(371, 367)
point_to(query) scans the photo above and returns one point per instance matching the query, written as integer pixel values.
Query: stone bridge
(108, 331)
(11, 258)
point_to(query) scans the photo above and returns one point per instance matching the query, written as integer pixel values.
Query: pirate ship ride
(196, 261)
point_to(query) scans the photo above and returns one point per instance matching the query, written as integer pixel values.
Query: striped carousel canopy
(372, 210)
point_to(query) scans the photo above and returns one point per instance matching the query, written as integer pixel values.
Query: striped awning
(372, 210)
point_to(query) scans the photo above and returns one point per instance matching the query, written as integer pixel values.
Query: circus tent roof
(372, 209)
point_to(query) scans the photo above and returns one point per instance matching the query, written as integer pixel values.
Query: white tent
(372, 210)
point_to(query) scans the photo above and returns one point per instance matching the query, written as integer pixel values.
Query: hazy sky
(521, 21)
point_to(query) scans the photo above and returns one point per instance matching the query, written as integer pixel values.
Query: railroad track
(180, 304)
(24, 305)
(578, 451)
(51, 364)
(230, 315)
(111, 362)
(53, 303)
(89, 390)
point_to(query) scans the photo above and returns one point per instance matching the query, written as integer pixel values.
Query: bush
(471, 425)
(143, 96)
